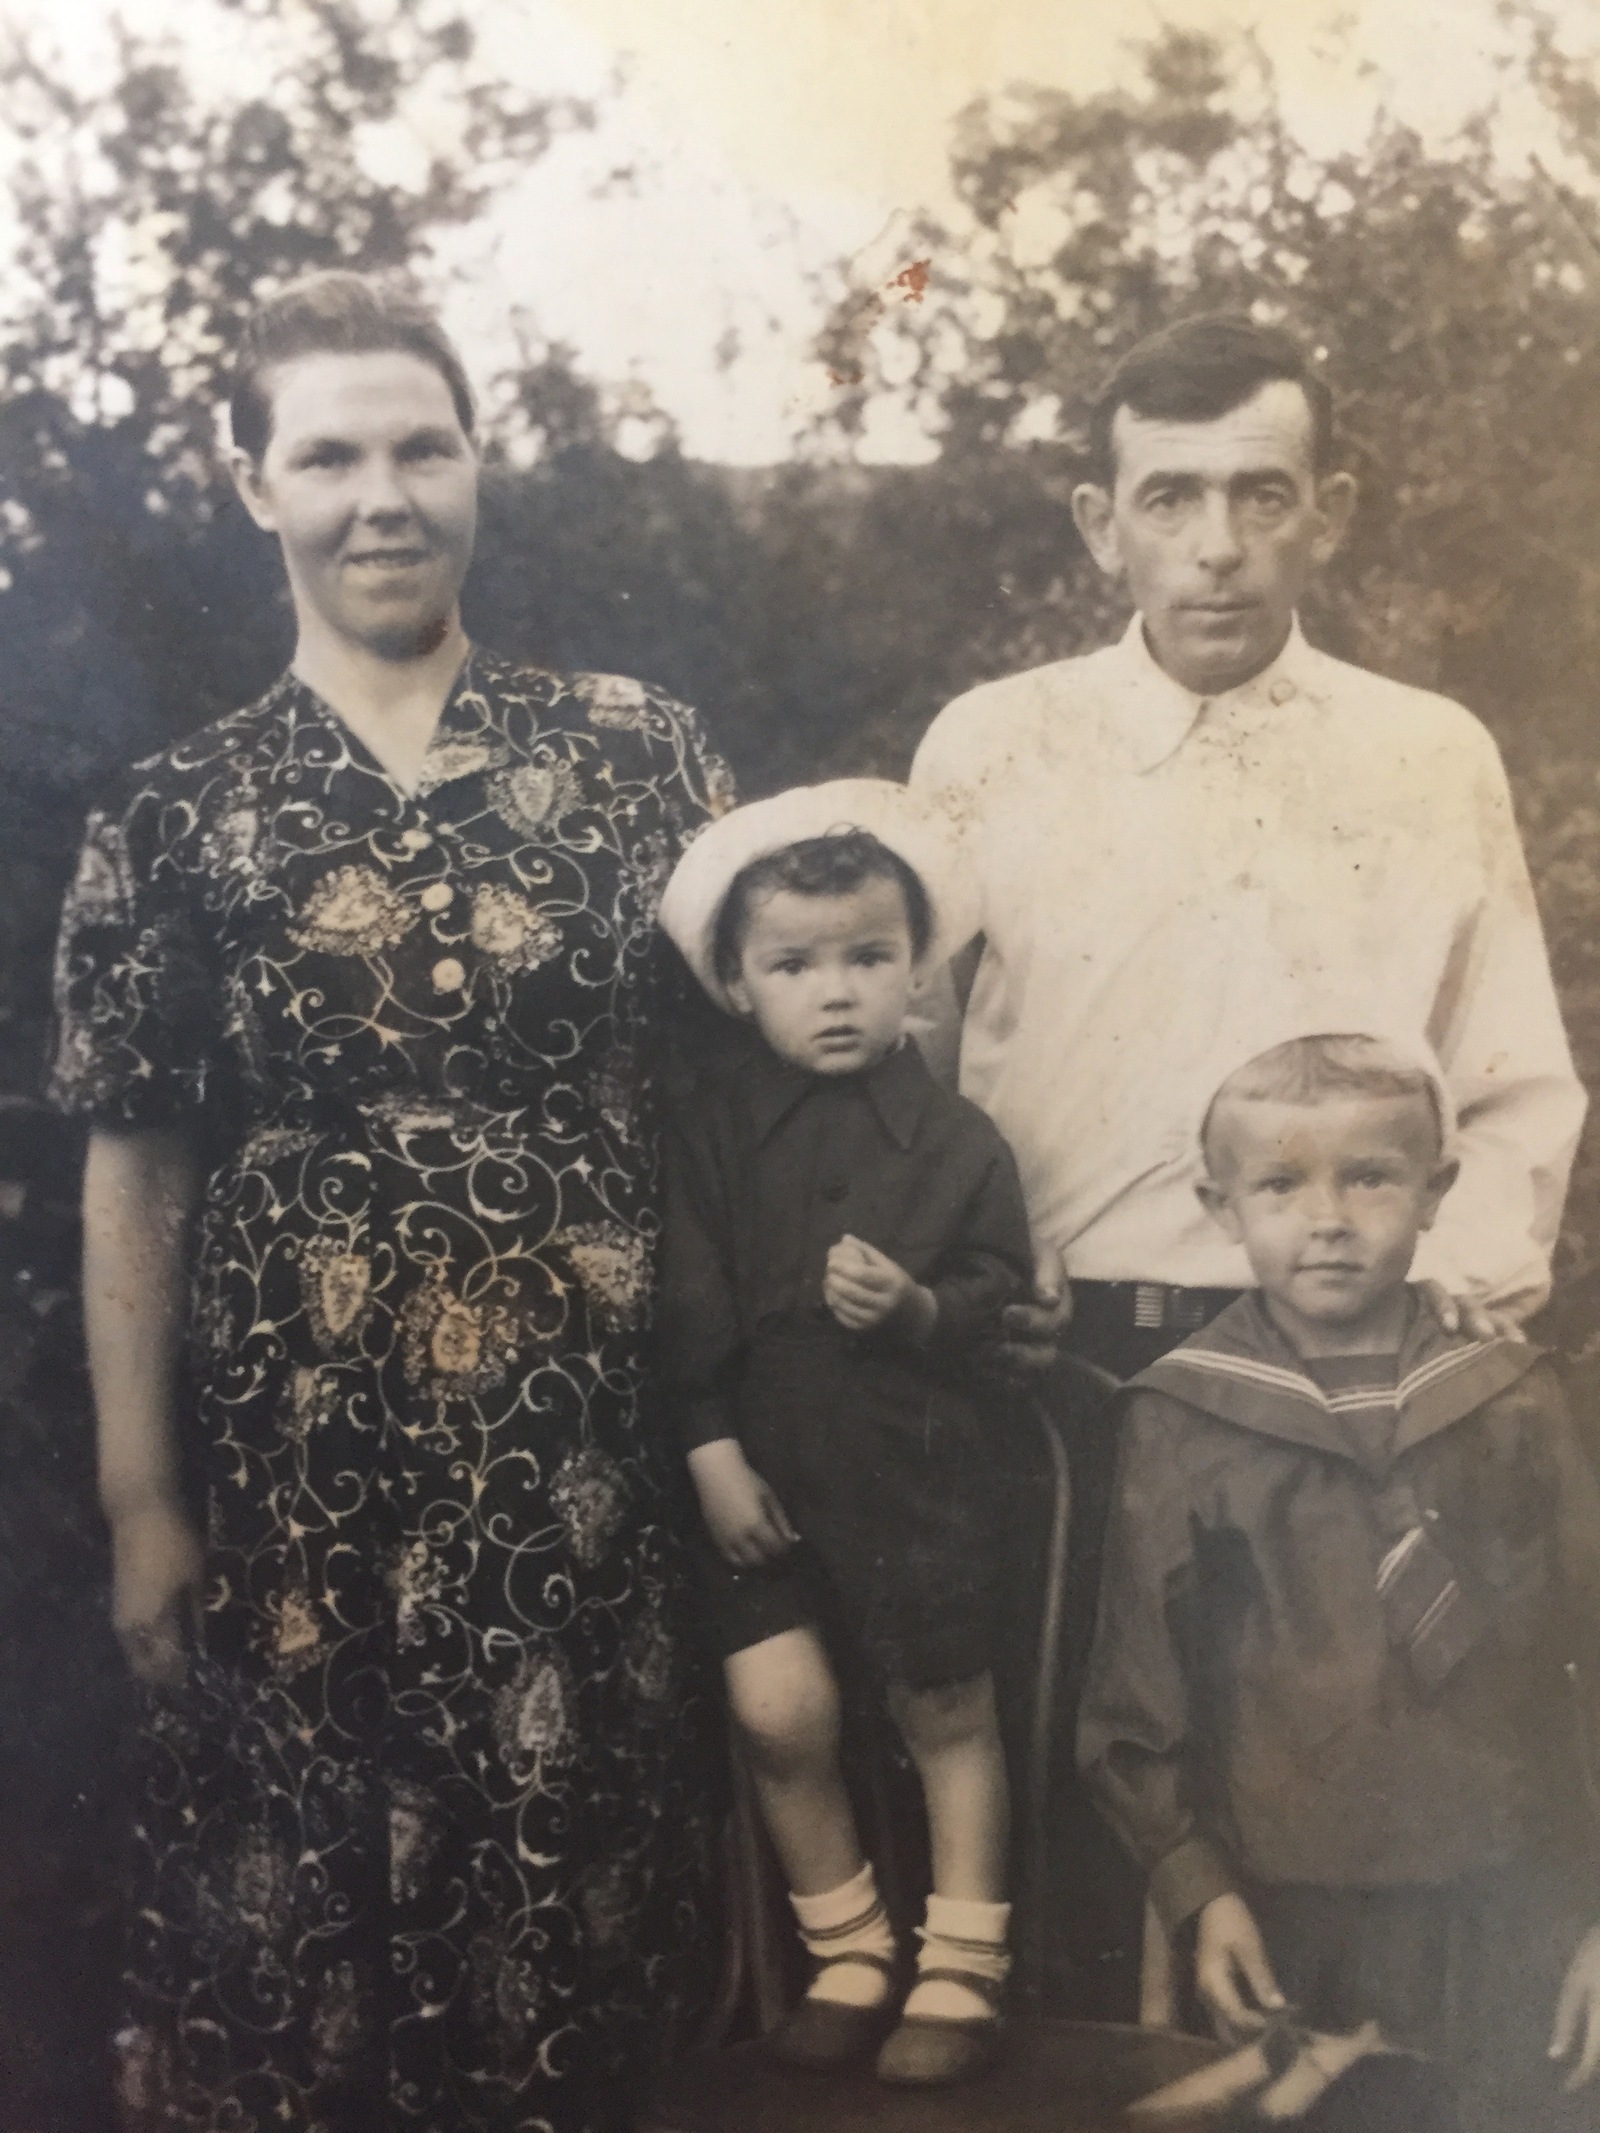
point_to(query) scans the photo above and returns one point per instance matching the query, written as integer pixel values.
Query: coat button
(1283, 691)
(437, 896)
(448, 975)
(834, 1191)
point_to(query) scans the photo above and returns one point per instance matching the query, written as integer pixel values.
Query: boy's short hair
(1198, 369)
(335, 313)
(833, 865)
(1309, 1070)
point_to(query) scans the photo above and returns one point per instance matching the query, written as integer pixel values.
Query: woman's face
(371, 485)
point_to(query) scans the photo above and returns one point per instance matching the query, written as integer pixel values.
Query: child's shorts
(889, 1486)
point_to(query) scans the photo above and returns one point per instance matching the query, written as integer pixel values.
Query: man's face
(1216, 527)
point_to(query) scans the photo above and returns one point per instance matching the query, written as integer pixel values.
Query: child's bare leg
(953, 1734)
(786, 1705)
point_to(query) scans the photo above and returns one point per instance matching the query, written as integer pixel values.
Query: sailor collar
(1241, 1370)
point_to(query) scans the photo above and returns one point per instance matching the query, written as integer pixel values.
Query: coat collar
(897, 1089)
(1148, 716)
(1242, 1370)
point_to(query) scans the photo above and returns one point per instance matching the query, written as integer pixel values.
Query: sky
(752, 158)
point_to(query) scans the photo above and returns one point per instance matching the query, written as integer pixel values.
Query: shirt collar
(1242, 1370)
(1149, 715)
(897, 1089)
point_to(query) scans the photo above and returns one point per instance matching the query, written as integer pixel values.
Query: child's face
(826, 979)
(1328, 1200)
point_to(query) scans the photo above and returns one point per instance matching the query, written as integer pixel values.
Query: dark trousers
(1467, 1972)
(1096, 1891)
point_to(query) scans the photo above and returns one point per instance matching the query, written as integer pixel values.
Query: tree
(1454, 303)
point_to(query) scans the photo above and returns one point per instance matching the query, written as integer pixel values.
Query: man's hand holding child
(742, 1513)
(864, 1288)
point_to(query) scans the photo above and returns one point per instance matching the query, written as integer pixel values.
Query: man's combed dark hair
(335, 314)
(834, 865)
(1199, 368)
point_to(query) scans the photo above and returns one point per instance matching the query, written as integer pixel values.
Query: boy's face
(1328, 1200)
(826, 979)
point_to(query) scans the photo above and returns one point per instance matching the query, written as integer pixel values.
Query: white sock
(960, 1935)
(847, 1920)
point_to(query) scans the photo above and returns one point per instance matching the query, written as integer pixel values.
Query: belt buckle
(1150, 1305)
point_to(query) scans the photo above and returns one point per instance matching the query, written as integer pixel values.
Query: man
(1208, 836)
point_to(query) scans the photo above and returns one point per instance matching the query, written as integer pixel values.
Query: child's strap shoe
(822, 2033)
(933, 2051)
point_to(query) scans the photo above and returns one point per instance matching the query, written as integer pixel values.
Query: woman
(362, 978)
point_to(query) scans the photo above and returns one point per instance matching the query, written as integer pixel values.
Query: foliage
(819, 612)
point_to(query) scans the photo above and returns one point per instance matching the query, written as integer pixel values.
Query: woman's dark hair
(1198, 369)
(335, 314)
(833, 865)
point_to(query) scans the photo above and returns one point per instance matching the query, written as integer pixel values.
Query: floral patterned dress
(423, 1840)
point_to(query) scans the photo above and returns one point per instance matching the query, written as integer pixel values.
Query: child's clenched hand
(864, 1288)
(1576, 2034)
(744, 1516)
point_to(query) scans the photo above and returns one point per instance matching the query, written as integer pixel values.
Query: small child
(841, 1235)
(1350, 1626)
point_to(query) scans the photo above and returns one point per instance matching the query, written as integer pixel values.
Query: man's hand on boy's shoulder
(1465, 1315)
(1576, 2032)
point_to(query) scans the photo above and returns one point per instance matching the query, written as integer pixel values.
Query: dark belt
(1150, 1306)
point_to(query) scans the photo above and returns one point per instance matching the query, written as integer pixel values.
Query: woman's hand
(742, 1513)
(1576, 2034)
(864, 1288)
(156, 1563)
(1231, 1970)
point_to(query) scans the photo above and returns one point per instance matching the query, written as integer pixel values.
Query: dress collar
(1149, 715)
(468, 738)
(1243, 1371)
(897, 1089)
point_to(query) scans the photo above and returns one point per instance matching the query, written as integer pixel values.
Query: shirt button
(437, 896)
(835, 1191)
(1283, 691)
(448, 975)
(415, 840)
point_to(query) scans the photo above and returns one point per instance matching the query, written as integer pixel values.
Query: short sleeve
(135, 989)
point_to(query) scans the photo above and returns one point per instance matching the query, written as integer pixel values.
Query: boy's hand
(864, 1288)
(1231, 1970)
(1031, 1332)
(1577, 2023)
(744, 1517)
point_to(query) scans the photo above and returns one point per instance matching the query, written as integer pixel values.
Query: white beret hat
(915, 828)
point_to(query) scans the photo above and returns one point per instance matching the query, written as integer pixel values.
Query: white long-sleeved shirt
(1167, 878)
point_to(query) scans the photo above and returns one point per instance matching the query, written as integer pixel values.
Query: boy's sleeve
(697, 1328)
(1134, 1744)
(991, 1264)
